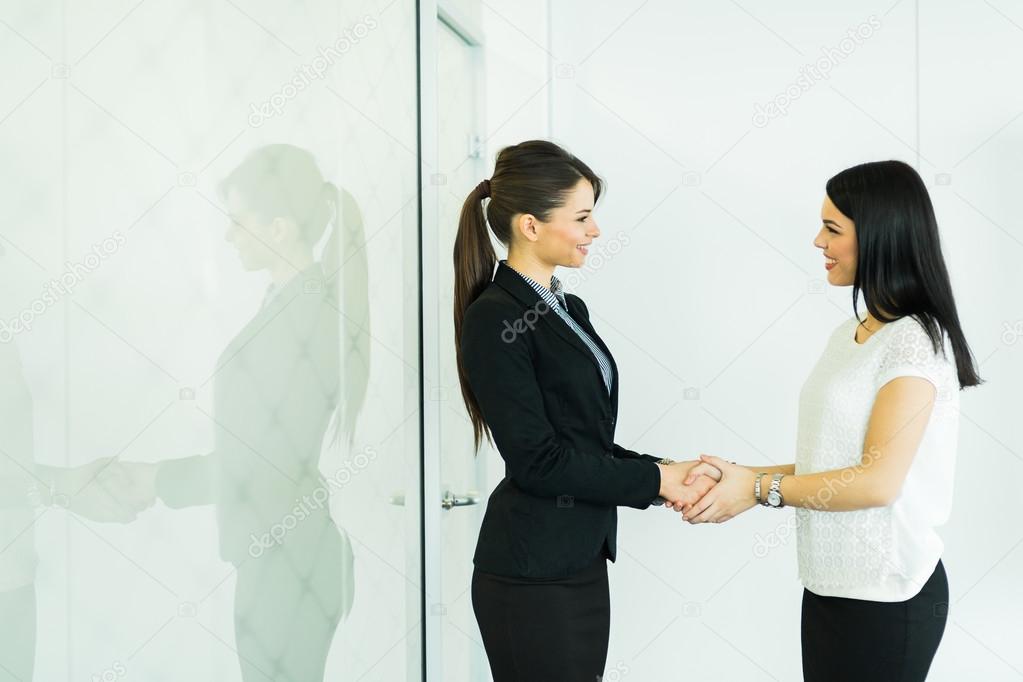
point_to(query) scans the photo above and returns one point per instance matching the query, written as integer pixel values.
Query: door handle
(447, 502)
(467, 500)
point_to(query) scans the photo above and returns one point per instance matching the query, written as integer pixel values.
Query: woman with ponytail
(540, 383)
(297, 366)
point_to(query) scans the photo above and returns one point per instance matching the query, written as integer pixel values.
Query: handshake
(708, 490)
(106, 490)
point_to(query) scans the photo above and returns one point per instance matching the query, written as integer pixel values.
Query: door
(458, 485)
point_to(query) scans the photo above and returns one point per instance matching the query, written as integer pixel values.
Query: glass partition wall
(210, 339)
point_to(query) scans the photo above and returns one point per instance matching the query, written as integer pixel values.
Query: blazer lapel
(513, 283)
(266, 314)
(584, 322)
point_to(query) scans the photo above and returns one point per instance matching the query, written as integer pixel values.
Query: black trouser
(545, 630)
(852, 639)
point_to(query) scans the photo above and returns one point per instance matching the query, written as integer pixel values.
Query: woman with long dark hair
(539, 381)
(878, 424)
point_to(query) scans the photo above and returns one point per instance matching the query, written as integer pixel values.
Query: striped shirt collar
(555, 299)
(554, 295)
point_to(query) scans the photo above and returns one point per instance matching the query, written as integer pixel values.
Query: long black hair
(901, 270)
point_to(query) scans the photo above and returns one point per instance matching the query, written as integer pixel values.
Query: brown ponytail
(531, 177)
(346, 268)
(474, 265)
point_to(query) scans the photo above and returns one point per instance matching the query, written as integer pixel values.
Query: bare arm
(900, 414)
(897, 422)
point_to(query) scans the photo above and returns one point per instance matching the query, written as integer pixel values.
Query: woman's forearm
(847, 489)
(787, 469)
(900, 413)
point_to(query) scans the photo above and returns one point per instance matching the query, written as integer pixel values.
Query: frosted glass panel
(208, 442)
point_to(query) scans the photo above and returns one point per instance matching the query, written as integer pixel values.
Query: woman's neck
(873, 324)
(281, 271)
(868, 327)
(531, 267)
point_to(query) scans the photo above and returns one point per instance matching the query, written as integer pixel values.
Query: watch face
(774, 499)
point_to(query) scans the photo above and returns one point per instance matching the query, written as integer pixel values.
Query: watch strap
(776, 489)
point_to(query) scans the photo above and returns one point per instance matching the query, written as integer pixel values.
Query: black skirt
(856, 640)
(537, 630)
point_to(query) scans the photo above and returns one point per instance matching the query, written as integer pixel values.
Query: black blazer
(275, 387)
(542, 395)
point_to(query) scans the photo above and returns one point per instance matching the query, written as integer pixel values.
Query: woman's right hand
(105, 490)
(680, 488)
(703, 469)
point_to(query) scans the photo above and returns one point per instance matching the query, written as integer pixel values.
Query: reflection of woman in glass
(17, 547)
(276, 389)
(25, 486)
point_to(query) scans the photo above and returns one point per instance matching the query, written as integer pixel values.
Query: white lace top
(886, 553)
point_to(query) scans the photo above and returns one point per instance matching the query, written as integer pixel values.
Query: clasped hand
(106, 489)
(710, 490)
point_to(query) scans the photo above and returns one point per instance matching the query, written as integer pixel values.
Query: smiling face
(564, 238)
(837, 240)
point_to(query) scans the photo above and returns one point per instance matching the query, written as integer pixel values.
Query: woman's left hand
(729, 498)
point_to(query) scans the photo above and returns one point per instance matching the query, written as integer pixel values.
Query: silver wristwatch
(774, 498)
(756, 488)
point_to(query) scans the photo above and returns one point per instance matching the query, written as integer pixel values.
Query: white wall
(714, 302)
